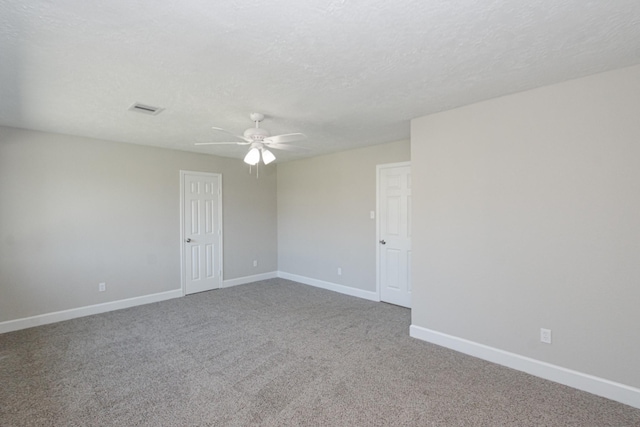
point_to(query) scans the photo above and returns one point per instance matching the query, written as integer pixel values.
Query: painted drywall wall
(323, 214)
(75, 212)
(527, 215)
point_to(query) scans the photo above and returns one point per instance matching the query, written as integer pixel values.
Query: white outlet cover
(545, 335)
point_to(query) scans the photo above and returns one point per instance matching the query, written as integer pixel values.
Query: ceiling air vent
(146, 109)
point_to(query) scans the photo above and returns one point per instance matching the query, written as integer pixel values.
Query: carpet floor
(271, 353)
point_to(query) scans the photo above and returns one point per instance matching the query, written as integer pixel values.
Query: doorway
(200, 231)
(393, 185)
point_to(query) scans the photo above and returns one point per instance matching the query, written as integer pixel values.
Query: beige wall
(527, 215)
(323, 214)
(75, 212)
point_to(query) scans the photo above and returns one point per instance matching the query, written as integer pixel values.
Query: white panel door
(201, 231)
(394, 233)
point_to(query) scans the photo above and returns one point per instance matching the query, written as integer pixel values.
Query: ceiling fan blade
(287, 137)
(222, 143)
(286, 147)
(229, 133)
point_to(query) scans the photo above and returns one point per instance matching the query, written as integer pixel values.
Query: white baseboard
(585, 382)
(347, 290)
(249, 279)
(59, 316)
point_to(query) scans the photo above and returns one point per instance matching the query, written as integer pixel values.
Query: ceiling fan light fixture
(267, 156)
(252, 157)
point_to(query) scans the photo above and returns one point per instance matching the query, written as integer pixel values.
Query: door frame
(183, 278)
(379, 168)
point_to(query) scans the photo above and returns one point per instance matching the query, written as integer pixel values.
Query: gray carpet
(269, 353)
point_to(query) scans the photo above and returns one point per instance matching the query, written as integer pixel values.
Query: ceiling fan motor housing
(256, 134)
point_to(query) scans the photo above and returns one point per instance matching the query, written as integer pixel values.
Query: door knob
(383, 242)
(188, 240)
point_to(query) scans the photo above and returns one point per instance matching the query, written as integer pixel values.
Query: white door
(201, 231)
(394, 233)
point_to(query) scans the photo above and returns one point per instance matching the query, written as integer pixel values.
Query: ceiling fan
(260, 141)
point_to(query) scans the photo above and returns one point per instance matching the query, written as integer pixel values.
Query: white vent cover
(146, 109)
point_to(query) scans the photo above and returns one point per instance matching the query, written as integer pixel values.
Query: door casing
(379, 169)
(183, 267)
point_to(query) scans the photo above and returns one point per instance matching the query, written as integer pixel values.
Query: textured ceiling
(345, 73)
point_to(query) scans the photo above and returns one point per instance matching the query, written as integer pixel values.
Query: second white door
(394, 233)
(201, 231)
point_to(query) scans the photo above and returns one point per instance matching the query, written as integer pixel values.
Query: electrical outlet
(545, 335)
(102, 286)
(255, 262)
(339, 271)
